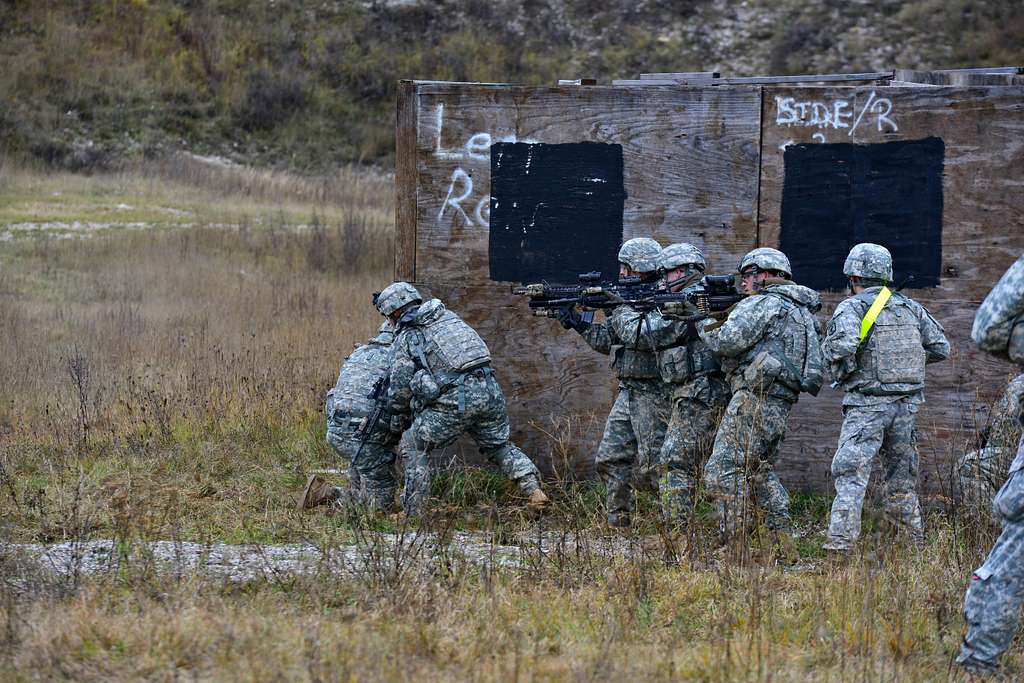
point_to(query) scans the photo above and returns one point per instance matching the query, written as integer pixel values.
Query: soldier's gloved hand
(613, 297)
(571, 319)
(680, 309)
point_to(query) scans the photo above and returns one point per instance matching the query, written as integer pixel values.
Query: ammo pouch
(424, 387)
(762, 372)
(682, 363)
(634, 364)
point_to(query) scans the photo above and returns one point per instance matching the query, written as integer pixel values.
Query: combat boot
(538, 502)
(317, 492)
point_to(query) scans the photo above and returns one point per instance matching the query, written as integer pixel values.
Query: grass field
(163, 375)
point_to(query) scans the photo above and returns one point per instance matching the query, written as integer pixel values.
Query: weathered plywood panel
(689, 157)
(981, 131)
(405, 183)
(689, 172)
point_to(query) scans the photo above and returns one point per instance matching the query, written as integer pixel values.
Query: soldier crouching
(441, 372)
(371, 469)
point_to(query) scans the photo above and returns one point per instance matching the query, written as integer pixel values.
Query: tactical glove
(680, 309)
(571, 319)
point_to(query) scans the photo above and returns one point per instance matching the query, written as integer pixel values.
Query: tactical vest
(348, 403)
(629, 361)
(892, 359)
(450, 345)
(682, 363)
(788, 355)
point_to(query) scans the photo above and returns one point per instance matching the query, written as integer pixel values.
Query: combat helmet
(869, 261)
(395, 296)
(642, 254)
(681, 253)
(766, 258)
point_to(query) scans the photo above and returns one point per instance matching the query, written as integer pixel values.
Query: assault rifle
(379, 412)
(714, 294)
(591, 293)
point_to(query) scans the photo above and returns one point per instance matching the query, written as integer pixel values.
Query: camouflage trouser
(688, 440)
(483, 416)
(631, 446)
(993, 601)
(979, 475)
(887, 428)
(371, 481)
(742, 462)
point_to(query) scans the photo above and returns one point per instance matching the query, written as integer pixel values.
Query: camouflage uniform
(441, 371)
(698, 392)
(767, 340)
(982, 472)
(635, 428)
(372, 476)
(993, 601)
(883, 377)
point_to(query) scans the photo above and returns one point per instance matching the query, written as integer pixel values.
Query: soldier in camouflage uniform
(372, 475)
(994, 598)
(699, 393)
(441, 372)
(635, 428)
(982, 472)
(877, 346)
(769, 349)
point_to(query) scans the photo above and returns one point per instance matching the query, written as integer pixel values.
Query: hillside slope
(309, 84)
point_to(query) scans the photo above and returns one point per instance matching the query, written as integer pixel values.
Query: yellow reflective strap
(876, 307)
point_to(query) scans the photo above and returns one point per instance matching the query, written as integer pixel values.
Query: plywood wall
(708, 166)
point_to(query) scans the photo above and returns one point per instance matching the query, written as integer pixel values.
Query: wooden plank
(754, 80)
(982, 233)
(405, 183)
(983, 70)
(666, 79)
(681, 75)
(648, 82)
(966, 77)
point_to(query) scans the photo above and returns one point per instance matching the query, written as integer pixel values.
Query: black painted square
(556, 210)
(836, 195)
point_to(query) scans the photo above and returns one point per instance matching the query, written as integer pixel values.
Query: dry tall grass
(167, 383)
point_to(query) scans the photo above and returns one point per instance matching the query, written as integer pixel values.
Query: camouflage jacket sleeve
(933, 337)
(745, 327)
(601, 336)
(403, 367)
(843, 336)
(994, 320)
(655, 331)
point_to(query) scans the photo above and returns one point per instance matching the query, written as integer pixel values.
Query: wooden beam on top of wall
(983, 70)
(961, 78)
(762, 80)
(677, 75)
